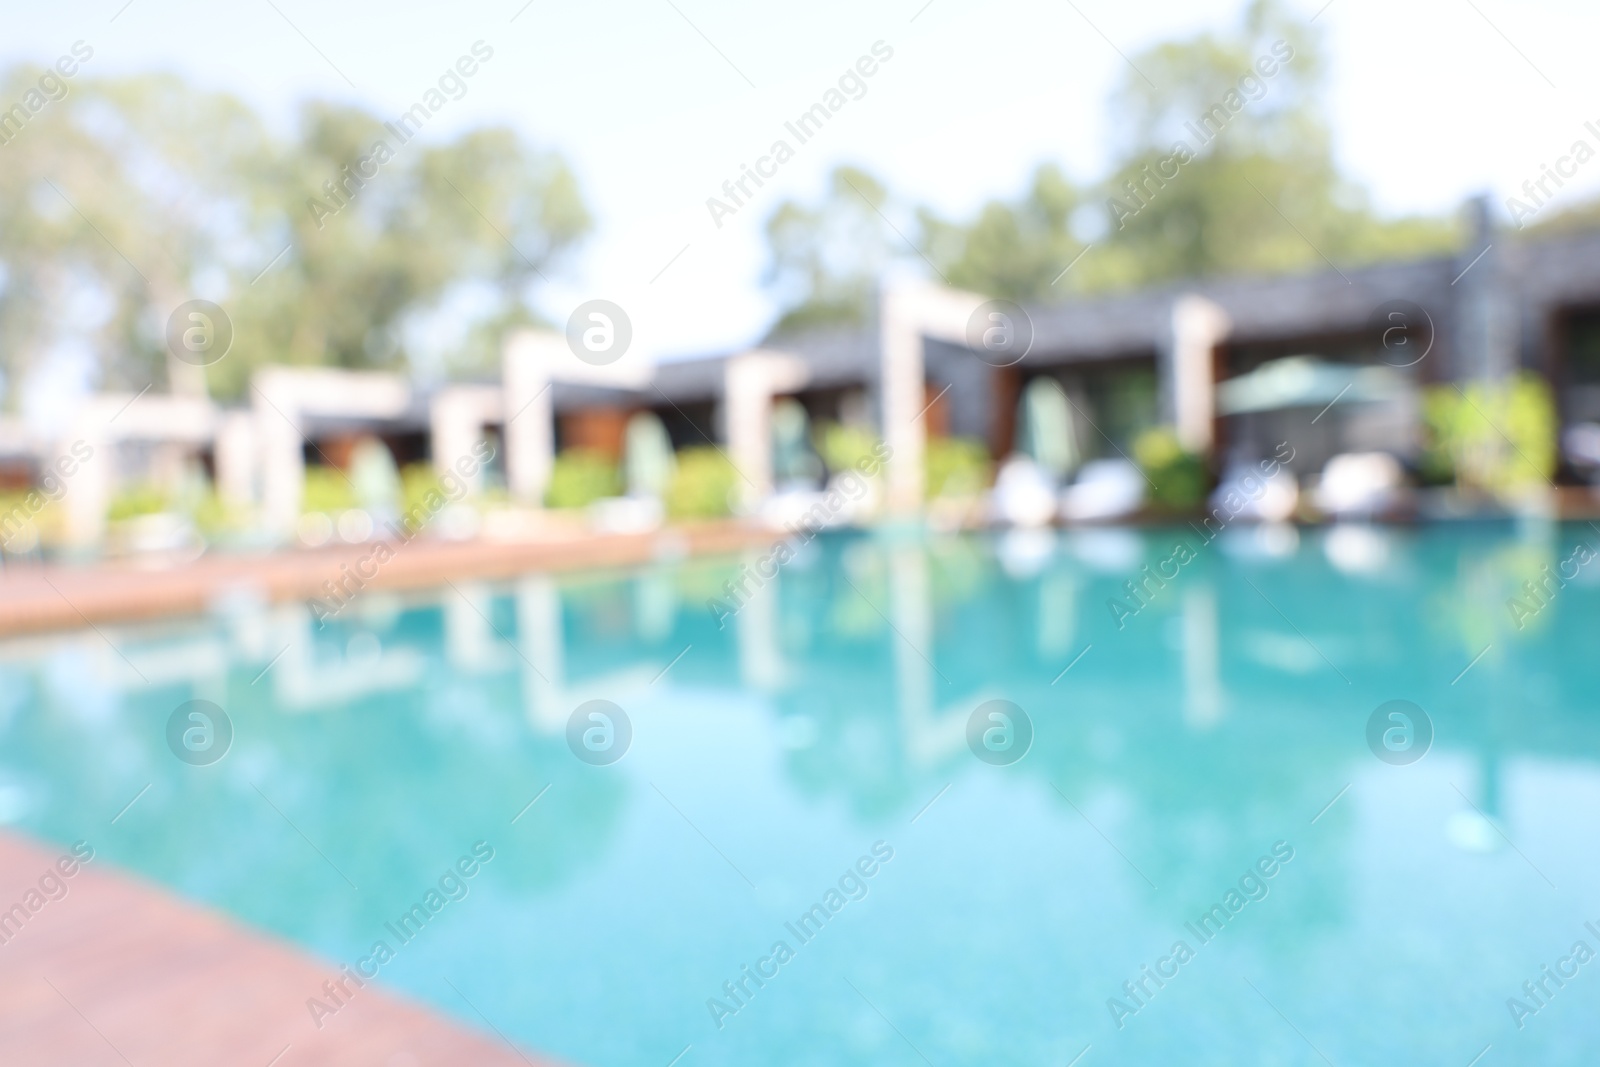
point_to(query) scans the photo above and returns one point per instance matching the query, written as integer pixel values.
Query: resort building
(1053, 396)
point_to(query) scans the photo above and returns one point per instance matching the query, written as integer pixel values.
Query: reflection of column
(530, 436)
(1490, 787)
(930, 735)
(1058, 612)
(199, 663)
(543, 644)
(1202, 682)
(761, 664)
(655, 604)
(468, 642)
(306, 677)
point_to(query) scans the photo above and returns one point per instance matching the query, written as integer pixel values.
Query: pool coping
(62, 597)
(108, 969)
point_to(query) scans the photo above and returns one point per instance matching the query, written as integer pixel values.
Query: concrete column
(235, 454)
(902, 385)
(174, 426)
(283, 467)
(750, 382)
(747, 403)
(88, 492)
(283, 397)
(908, 313)
(1189, 382)
(456, 418)
(1486, 310)
(530, 434)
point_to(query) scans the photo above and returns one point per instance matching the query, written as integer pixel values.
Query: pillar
(530, 437)
(283, 468)
(1188, 373)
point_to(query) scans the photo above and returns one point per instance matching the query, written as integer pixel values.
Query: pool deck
(120, 973)
(53, 597)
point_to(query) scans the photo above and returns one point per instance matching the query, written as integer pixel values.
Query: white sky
(1429, 100)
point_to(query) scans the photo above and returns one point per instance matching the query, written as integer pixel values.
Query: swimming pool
(1191, 761)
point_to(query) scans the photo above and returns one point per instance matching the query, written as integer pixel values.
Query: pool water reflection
(1013, 914)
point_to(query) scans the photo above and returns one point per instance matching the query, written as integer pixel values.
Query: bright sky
(657, 102)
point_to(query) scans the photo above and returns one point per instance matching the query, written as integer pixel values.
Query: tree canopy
(825, 259)
(1218, 167)
(128, 196)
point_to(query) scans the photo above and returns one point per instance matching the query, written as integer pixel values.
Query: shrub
(136, 500)
(956, 466)
(1179, 476)
(842, 447)
(214, 518)
(581, 476)
(703, 485)
(327, 489)
(417, 480)
(1490, 438)
(18, 517)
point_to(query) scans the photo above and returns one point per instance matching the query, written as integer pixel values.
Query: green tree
(1013, 250)
(482, 210)
(110, 207)
(127, 196)
(825, 258)
(1261, 194)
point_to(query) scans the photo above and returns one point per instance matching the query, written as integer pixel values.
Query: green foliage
(1179, 476)
(434, 219)
(327, 490)
(135, 500)
(956, 466)
(192, 497)
(581, 476)
(1583, 214)
(17, 519)
(215, 518)
(702, 486)
(1262, 195)
(843, 447)
(1491, 439)
(1012, 250)
(417, 480)
(826, 258)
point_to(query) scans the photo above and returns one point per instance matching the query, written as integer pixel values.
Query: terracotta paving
(34, 598)
(119, 973)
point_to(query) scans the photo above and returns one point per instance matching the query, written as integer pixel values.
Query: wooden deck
(119, 973)
(66, 597)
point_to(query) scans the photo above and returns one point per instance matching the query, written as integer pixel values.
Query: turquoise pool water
(980, 912)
